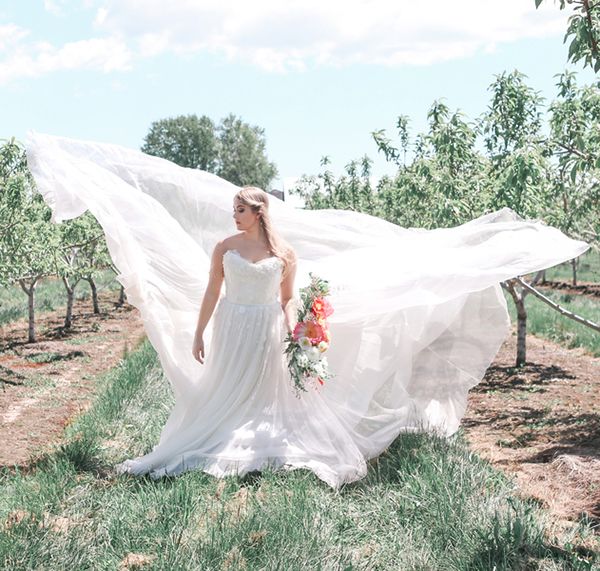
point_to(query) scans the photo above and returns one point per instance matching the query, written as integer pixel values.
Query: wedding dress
(418, 314)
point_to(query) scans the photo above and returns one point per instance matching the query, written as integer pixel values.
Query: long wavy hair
(258, 200)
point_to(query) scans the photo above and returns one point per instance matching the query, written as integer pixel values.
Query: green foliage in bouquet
(310, 337)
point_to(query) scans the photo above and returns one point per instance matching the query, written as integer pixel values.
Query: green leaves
(242, 156)
(584, 31)
(233, 150)
(451, 177)
(513, 116)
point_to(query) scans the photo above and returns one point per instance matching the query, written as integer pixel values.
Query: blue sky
(317, 76)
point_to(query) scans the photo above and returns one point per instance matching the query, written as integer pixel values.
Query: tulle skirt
(249, 416)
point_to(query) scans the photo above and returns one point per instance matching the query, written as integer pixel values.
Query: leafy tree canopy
(233, 149)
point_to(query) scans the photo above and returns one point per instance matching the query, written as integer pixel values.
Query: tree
(242, 157)
(575, 144)
(187, 140)
(73, 260)
(234, 150)
(519, 170)
(13, 197)
(584, 31)
(443, 185)
(352, 191)
(31, 261)
(93, 255)
(27, 238)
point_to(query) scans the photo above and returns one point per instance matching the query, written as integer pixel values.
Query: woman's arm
(211, 296)
(287, 294)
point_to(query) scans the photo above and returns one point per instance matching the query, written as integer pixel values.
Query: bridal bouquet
(310, 339)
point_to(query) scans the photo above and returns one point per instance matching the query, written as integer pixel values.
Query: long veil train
(419, 315)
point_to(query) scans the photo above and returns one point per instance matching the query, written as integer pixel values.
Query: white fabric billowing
(419, 315)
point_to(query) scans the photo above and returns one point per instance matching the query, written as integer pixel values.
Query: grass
(588, 270)
(427, 503)
(50, 295)
(545, 322)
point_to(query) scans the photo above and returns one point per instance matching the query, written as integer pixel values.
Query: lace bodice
(249, 282)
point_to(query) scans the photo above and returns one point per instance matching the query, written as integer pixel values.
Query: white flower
(313, 354)
(323, 346)
(302, 360)
(304, 343)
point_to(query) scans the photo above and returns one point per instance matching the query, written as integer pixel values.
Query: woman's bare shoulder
(230, 241)
(289, 250)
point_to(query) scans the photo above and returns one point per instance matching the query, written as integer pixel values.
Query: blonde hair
(258, 200)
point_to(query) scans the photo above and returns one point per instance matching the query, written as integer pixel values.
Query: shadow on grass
(49, 357)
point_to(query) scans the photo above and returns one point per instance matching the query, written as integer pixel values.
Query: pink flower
(310, 329)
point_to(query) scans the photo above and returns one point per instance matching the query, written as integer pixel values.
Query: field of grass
(50, 295)
(588, 270)
(545, 322)
(427, 504)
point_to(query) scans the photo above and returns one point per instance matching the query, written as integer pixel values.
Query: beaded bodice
(251, 282)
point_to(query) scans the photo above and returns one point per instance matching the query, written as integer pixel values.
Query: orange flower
(321, 308)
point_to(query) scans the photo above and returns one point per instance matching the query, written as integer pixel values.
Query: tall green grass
(546, 322)
(50, 295)
(426, 504)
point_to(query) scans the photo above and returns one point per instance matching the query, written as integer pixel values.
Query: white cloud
(36, 59)
(61, 7)
(52, 6)
(10, 34)
(277, 36)
(101, 14)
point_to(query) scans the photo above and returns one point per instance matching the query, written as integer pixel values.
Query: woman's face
(243, 216)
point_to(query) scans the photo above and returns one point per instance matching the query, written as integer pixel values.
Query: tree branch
(573, 151)
(557, 307)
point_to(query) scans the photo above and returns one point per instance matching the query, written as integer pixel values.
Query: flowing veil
(419, 314)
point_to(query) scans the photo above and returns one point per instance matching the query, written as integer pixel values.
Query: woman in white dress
(418, 315)
(250, 416)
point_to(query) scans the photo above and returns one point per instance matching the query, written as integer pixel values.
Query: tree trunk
(70, 298)
(69, 314)
(519, 299)
(121, 296)
(543, 278)
(574, 263)
(30, 291)
(94, 295)
(521, 332)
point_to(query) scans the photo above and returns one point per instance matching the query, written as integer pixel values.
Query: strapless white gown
(248, 415)
(419, 315)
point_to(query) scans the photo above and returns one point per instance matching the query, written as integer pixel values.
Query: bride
(249, 416)
(419, 315)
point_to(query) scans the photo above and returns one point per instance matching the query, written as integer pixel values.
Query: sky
(318, 76)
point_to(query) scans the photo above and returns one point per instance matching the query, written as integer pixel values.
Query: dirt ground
(582, 288)
(540, 423)
(44, 385)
